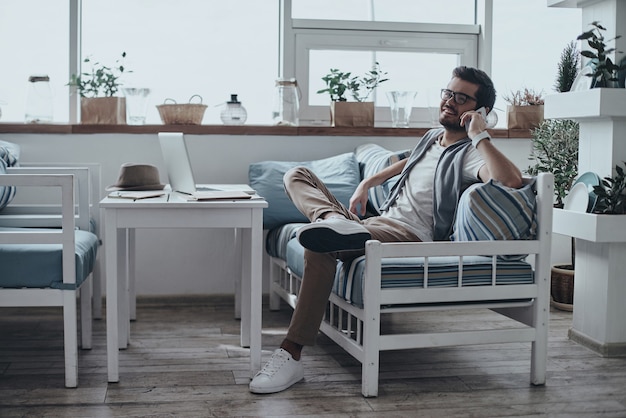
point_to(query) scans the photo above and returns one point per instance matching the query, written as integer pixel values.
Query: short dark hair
(486, 95)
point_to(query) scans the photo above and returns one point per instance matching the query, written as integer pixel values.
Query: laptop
(180, 174)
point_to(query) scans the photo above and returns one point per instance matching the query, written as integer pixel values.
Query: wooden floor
(185, 360)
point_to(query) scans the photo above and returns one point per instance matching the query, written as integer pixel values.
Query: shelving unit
(600, 277)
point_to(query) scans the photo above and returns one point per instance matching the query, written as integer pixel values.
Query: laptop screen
(177, 163)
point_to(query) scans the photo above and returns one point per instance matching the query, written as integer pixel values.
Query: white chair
(51, 266)
(38, 210)
(522, 295)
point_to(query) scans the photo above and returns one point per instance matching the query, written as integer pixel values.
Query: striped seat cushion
(442, 272)
(409, 272)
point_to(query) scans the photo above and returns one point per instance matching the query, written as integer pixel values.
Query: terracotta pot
(562, 287)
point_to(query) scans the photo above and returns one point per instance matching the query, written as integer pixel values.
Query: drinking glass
(401, 105)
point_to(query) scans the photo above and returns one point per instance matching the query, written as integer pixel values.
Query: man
(421, 207)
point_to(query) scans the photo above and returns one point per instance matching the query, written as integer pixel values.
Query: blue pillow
(373, 158)
(340, 173)
(491, 211)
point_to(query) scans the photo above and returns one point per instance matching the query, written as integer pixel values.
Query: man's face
(450, 111)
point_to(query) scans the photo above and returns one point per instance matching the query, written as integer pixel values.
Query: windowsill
(22, 128)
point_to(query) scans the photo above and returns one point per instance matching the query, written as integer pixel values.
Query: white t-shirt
(414, 206)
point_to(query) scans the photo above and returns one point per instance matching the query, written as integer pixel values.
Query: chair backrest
(42, 209)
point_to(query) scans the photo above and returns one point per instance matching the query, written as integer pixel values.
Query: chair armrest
(41, 210)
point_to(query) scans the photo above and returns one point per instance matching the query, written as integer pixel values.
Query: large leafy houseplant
(604, 70)
(97, 88)
(555, 150)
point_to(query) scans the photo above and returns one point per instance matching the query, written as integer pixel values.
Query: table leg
(239, 271)
(122, 289)
(132, 293)
(110, 254)
(255, 278)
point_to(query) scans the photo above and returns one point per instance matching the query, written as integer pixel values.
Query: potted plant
(604, 71)
(525, 109)
(568, 68)
(97, 88)
(611, 194)
(555, 150)
(339, 84)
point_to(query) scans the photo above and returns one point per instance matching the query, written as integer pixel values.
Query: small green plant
(527, 97)
(101, 80)
(555, 150)
(604, 70)
(567, 68)
(339, 83)
(610, 192)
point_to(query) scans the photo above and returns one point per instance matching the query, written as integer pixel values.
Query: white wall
(200, 261)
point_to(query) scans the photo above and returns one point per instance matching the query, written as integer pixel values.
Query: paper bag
(351, 114)
(524, 117)
(103, 110)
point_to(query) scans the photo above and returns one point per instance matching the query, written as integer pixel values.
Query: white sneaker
(281, 372)
(333, 234)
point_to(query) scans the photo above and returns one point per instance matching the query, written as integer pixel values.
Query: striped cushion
(8, 158)
(373, 158)
(277, 239)
(491, 211)
(442, 272)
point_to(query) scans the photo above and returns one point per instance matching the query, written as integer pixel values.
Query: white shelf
(589, 226)
(586, 104)
(570, 3)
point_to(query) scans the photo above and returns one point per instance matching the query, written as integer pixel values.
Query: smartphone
(483, 113)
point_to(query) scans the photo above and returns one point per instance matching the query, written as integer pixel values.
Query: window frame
(472, 44)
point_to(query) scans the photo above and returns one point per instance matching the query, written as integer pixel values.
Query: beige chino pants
(311, 196)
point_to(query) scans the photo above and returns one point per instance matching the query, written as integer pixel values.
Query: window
(215, 48)
(416, 56)
(35, 37)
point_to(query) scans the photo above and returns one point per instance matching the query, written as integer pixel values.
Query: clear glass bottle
(233, 112)
(286, 102)
(39, 100)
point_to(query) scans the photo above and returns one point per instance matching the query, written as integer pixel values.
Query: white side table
(123, 216)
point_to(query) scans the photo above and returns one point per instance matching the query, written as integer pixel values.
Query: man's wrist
(483, 135)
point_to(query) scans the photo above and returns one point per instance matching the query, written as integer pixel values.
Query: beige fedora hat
(137, 177)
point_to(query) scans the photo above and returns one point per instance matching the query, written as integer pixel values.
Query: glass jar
(39, 100)
(286, 102)
(233, 112)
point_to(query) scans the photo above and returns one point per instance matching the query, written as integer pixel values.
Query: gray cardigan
(448, 184)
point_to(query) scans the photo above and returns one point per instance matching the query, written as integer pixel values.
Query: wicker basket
(182, 114)
(562, 287)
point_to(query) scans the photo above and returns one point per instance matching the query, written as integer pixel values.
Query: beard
(450, 122)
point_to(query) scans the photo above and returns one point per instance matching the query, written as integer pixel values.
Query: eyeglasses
(459, 98)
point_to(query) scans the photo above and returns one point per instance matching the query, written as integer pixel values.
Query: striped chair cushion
(373, 158)
(8, 158)
(491, 211)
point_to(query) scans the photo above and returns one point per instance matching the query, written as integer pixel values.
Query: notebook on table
(180, 174)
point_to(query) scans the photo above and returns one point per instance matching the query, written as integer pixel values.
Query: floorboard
(185, 360)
